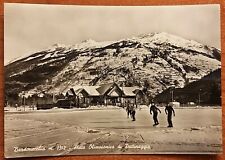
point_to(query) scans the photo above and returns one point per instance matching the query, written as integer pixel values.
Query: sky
(29, 28)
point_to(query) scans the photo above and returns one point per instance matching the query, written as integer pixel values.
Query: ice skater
(128, 109)
(169, 111)
(155, 111)
(133, 112)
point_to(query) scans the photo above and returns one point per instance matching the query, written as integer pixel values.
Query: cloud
(29, 28)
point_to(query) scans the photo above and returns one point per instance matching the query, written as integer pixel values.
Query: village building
(36, 99)
(132, 95)
(85, 96)
(110, 94)
(106, 94)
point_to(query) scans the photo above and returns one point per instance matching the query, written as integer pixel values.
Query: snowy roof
(91, 90)
(78, 91)
(113, 94)
(101, 90)
(129, 91)
(70, 92)
(104, 88)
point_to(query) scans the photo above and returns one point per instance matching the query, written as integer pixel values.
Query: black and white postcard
(93, 80)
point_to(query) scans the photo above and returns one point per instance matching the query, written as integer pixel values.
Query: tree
(215, 94)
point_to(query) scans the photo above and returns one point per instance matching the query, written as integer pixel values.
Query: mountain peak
(56, 46)
(160, 38)
(136, 61)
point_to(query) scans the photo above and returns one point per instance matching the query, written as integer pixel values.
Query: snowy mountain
(154, 61)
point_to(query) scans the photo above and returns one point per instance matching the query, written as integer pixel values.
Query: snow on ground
(198, 60)
(56, 46)
(19, 73)
(51, 61)
(91, 44)
(160, 38)
(19, 108)
(33, 108)
(95, 129)
(31, 57)
(77, 73)
(54, 55)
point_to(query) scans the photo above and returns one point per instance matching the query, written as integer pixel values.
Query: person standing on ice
(132, 111)
(169, 111)
(155, 111)
(128, 109)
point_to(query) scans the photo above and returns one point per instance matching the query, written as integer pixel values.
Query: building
(106, 94)
(86, 96)
(110, 94)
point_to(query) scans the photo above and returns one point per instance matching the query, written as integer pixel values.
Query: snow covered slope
(155, 61)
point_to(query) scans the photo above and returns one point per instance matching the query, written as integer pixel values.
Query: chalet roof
(77, 91)
(104, 88)
(113, 94)
(129, 91)
(91, 90)
(70, 92)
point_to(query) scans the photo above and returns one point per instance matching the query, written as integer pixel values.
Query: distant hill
(208, 88)
(153, 61)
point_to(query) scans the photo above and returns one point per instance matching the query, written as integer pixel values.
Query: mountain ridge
(156, 60)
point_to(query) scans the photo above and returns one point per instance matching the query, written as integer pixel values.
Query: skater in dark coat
(128, 109)
(133, 112)
(169, 111)
(155, 111)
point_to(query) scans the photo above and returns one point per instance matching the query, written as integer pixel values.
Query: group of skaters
(153, 110)
(131, 111)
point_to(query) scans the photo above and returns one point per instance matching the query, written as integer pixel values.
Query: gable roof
(77, 91)
(129, 91)
(90, 90)
(71, 92)
(113, 93)
(109, 89)
(104, 88)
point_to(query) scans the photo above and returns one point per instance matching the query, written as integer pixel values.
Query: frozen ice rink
(109, 131)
